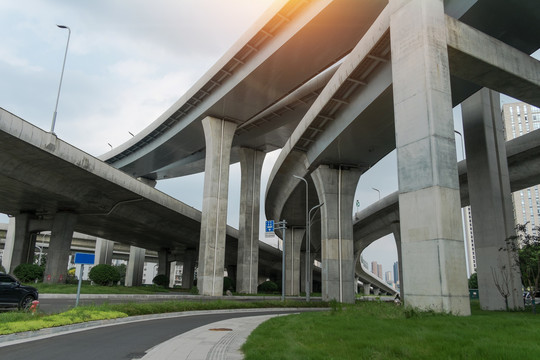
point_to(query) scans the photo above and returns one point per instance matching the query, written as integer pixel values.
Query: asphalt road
(124, 341)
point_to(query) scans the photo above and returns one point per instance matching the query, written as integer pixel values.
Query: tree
(473, 281)
(529, 259)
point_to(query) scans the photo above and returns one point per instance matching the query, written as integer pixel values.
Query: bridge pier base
(292, 260)
(367, 289)
(491, 201)
(59, 247)
(251, 162)
(336, 188)
(429, 199)
(218, 134)
(135, 267)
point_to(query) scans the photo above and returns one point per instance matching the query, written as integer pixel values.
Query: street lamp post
(61, 77)
(307, 236)
(308, 252)
(379, 191)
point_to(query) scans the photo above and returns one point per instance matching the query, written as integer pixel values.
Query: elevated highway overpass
(43, 176)
(289, 75)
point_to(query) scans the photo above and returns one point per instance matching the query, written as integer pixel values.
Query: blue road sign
(269, 225)
(81, 258)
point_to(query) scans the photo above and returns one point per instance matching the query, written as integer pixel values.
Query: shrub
(194, 291)
(228, 284)
(267, 287)
(28, 272)
(161, 280)
(104, 274)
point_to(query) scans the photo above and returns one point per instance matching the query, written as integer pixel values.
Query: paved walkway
(219, 340)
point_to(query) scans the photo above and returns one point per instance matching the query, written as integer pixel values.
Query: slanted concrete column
(19, 246)
(293, 242)
(336, 188)
(429, 202)
(218, 134)
(188, 269)
(59, 247)
(104, 251)
(491, 201)
(135, 267)
(251, 162)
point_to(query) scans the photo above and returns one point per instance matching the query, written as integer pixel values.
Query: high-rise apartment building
(519, 118)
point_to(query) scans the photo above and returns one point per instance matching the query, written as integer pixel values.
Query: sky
(128, 62)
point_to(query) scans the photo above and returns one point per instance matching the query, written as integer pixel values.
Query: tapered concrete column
(293, 243)
(59, 247)
(491, 201)
(188, 269)
(104, 251)
(429, 202)
(336, 188)
(19, 246)
(367, 289)
(135, 267)
(218, 134)
(251, 162)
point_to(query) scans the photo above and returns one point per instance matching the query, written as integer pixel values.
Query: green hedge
(103, 274)
(28, 272)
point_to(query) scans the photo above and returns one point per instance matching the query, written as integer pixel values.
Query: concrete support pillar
(491, 201)
(396, 230)
(19, 246)
(251, 162)
(59, 247)
(429, 201)
(303, 271)
(376, 291)
(188, 269)
(231, 272)
(293, 242)
(336, 188)
(135, 267)
(172, 273)
(218, 134)
(164, 264)
(104, 251)
(367, 289)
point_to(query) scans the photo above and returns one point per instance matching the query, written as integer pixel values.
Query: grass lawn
(371, 330)
(97, 289)
(18, 321)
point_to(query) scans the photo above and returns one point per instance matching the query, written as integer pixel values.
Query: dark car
(14, 294)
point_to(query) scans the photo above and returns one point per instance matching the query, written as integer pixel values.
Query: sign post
(269, 229)
(81, 258)
(282, 225)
